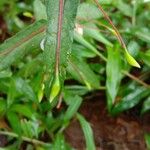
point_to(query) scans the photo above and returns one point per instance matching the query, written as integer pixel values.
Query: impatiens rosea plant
(50, 63)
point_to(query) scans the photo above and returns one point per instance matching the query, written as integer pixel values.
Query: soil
(124, 132)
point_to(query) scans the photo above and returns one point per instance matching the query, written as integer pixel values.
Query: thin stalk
(136, 79)
(59, 101)
(59, 30)
(111, 23)
(34, 141)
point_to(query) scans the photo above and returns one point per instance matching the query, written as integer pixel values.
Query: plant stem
(60, 18)
(111, 23)
(34, 141)
(120, 39)
(136, 79)
(59, 101)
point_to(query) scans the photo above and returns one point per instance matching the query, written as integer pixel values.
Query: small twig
(136, 79)
(111, 23)
(34, 141)
(59, 101)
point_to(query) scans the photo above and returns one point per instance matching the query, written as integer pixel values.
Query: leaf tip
(28, 14)
(41, 93)
(42, 44)
(131, 60)
(55, 89)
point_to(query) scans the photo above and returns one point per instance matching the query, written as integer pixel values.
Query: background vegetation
(97, 64)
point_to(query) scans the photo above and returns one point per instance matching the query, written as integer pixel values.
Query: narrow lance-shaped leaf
(59, 37)
(131, 60)
(82, 41)
(60, 143)
(22, 43)
(73, 107)
(87, 130)
(38, 5)
(95, 34)
(113, 71)
(130, 100)
(146, 106)
(80, 71)
(14, 122)
(147, 139)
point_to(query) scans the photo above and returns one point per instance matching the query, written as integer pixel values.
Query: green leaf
(133, 48)
(55, 57)
(81, 40)
(11, 94)
(106, 2)
(60, 144)
(55, 89)
(28, 14)
(88, 11)
(24, 110)
(76, 90)
(31, 68)
(5, 74)
(2, 106)
(91, 30)
(81, 71)
(14, 122)
(146, 106)
(30, 128)
(130, 100)
(25, 89)
(147, 139)
(88, 134)
(4, 85)
(41, 92)
(38, 5)
(26, 128)
(22, 43)
(73, 107)
(82, 51)
(131, 60)
(146, 57)
(143, 35)
(113, 72)
(124, 8)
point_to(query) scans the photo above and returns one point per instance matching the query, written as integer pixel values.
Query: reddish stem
(60, 20)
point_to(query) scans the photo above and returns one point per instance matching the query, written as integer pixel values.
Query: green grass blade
(88, 133)
(21, 44)
(130, 100)
(113, 71)
(59, 38)
(147, 139)
(73, 107)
